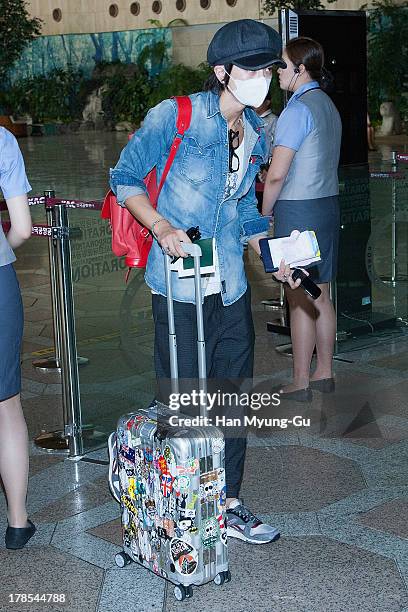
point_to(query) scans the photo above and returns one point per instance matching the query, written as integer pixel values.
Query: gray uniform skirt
(321, 215)
(11, 333)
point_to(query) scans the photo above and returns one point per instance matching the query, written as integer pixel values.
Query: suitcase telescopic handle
(195, 251)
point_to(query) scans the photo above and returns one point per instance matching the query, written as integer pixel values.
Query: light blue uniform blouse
(13, 182)
(296, 121)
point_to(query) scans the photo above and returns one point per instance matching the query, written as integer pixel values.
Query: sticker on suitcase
(211, 485)
(184, 557)
(210, 532)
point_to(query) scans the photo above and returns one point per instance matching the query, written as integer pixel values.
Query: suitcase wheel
(222, 577)
(181, 592)
(122, 559)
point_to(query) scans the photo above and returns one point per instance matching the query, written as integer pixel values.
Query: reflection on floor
(337, 490)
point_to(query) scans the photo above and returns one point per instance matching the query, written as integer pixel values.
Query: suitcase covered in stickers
(172, 483)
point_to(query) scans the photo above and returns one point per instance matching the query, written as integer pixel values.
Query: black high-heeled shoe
(324, 385)
(17, 537)
(299, 395)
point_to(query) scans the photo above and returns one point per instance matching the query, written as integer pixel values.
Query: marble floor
(337, 490)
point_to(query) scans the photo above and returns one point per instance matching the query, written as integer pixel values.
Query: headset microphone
(296, 70)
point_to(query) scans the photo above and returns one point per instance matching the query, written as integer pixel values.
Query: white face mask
(251, 92)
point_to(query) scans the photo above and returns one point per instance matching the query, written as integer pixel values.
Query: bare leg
(325, 334)
(303, 335)
(14, 459)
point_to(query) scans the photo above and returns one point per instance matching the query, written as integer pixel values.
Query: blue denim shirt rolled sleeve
(148, 144)
(123, 192)
(293, 125)
(252, 223)
(13, 179)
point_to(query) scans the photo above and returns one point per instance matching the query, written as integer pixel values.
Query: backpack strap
(184, 111)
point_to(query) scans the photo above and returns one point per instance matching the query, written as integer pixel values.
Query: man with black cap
(211, 184)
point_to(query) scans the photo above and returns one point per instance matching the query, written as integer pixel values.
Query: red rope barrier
(84, 204)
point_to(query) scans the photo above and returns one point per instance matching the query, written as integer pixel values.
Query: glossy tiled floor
(337, 491)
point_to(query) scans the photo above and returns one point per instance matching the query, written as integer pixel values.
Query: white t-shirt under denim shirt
(212, 282)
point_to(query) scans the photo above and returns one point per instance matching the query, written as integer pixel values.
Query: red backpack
(129, 237)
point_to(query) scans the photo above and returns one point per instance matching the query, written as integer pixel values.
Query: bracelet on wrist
(153, 233)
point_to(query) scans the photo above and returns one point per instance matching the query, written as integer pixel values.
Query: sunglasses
(233, 141)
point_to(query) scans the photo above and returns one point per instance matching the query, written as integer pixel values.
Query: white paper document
(298, 249)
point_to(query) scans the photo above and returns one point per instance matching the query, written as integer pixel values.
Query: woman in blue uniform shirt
(301, 190)
(13, 429)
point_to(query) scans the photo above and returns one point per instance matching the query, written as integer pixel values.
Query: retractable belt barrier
(399, 157)
(66, 360)
(36, 200)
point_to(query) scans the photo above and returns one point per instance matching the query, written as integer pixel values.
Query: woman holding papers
(13, 430)
(301, 191)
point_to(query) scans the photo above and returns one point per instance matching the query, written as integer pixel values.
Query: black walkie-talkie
(306, 283)
(194, 234)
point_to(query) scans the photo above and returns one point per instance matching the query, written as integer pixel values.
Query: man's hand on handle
(170, 239)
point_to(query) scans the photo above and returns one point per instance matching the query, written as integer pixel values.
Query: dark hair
(214, 85)
(309, 52)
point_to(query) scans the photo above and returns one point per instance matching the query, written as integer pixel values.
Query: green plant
(153, 57)
(177, 80)
(17, 30)
(174, 22)
(46, 98)
(127, 100)
(270, 6)
(387, 55)
(276, 94)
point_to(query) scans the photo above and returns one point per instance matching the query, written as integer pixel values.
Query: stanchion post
(69, 362)
(281, 296)
(52, 364)
(394, 271)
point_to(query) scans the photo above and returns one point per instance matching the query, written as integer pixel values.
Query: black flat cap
(248, 44)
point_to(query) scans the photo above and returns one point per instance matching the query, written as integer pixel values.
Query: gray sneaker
(244, 525)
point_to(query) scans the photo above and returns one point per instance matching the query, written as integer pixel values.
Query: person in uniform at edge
(269, 118)
(211, 184)
(13, 428)
(301, 190)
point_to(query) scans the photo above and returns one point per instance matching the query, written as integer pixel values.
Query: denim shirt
(193, 193)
